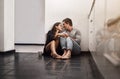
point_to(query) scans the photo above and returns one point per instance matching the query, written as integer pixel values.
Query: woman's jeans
(68, 43)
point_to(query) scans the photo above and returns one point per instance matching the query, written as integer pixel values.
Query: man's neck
(71, 28)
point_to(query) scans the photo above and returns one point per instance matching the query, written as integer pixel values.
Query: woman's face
(59, 27)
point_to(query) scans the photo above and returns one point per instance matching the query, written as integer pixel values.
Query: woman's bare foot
(58, 57)
(55, 55)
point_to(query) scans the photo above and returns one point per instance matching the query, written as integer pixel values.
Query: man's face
(66, 26)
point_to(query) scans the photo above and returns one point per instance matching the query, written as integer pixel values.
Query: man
(70, 44)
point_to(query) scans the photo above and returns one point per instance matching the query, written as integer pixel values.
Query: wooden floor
(32, 66)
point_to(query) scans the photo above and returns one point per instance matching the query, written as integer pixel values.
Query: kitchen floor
(34, 66)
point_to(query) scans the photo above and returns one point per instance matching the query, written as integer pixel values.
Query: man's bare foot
(64, 54)
(67, 56)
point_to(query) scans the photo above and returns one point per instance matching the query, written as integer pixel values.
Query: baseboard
(7, 52)
(29, 44)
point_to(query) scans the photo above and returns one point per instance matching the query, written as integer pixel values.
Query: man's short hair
(68, 21)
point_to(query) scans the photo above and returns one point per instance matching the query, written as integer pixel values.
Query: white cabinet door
(92, 32)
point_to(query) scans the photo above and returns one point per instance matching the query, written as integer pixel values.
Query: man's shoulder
(75, 29)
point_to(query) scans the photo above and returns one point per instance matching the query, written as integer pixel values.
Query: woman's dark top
(49, 38)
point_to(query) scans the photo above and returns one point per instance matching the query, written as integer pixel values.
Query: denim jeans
(68, 43)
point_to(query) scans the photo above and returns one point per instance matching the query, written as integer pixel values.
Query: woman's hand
(64, 35)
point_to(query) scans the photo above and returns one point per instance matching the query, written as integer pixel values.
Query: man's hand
(65, 35)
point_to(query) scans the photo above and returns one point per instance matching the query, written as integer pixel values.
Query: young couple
(63, 40)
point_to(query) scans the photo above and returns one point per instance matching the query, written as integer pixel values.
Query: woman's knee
(55, 43)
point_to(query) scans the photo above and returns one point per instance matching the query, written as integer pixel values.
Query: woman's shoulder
(49, 32)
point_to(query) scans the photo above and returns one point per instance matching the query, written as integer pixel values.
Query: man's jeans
(68, 43)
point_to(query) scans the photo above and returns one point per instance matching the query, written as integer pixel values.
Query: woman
(52, 47)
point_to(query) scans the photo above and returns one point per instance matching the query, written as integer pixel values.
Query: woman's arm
(58, 34)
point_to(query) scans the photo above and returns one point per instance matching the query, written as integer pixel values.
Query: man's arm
(78, 36)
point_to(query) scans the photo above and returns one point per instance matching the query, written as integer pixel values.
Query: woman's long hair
(54, 27)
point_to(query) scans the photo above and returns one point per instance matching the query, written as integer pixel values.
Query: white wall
(100, 14)
(29, 21)
(112, 9)
(1, 25)
(77, 10)
(6, 25)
